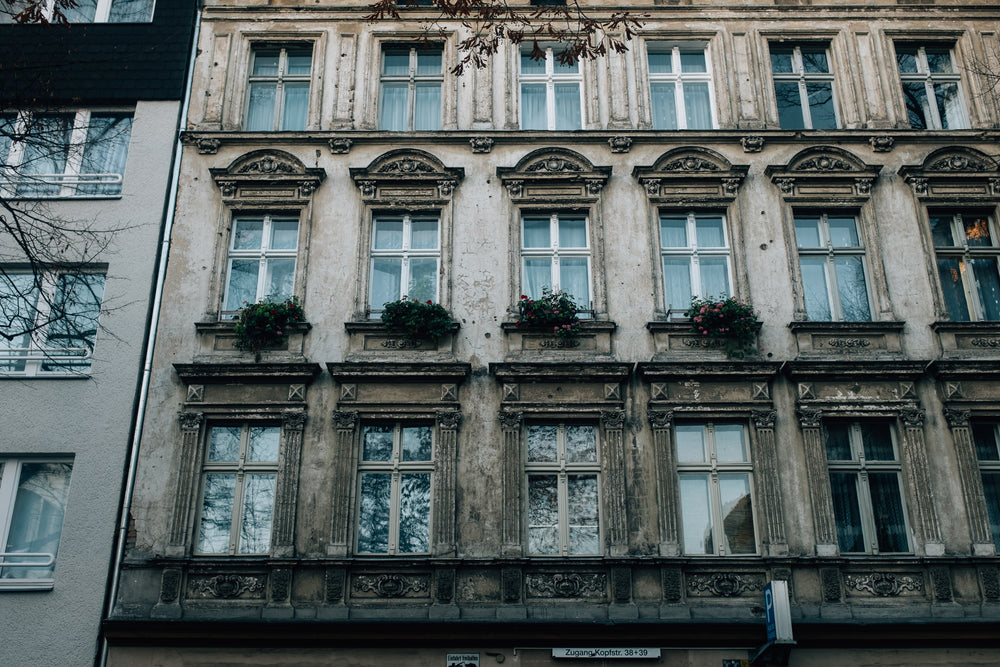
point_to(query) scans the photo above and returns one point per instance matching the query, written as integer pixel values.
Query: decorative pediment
(554, 174)
(691, 174)
(954, 172)
(267, 174)
(405, 175)
(825, 171)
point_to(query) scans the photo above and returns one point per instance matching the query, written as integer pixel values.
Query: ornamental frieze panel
(824, 170)
(690, 171)
(409, 173)
(267, 174)
(725, 584)
(572, 585)
(390, 586)
(557, 173)
(884, 584)
(954, 171)
(226, 586)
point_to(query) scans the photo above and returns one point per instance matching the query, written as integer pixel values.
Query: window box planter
(594, 338)
(373, 339)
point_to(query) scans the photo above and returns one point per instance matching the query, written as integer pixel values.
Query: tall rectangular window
(563, 469)
(53, 320)
(394, 503)
(411, 89)
(405, 259)
(967, 255)
(73, 154)
(278, 96)
(550, 93)
(33, 497)
(238, 486)
(694, 249)
(803, 87)
(931, 88)
(262, 255)
(555, 254)
(713, 464)
(680, 88)
(986, 437)
(89, 11)
(832, 260)
(865, 481)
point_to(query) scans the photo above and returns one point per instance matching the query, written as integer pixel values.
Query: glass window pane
(376, 442)
(807, 232)
(710, 231)
(677, 282)
(417, 443)
(714, 276)
(814, 285)
(373, 515)
(105, 152)
(949, 106)
(265, 62)
(260, 111)
(74, 313)
(730, 443)
(296, 107)
(216, 513)
(393, 106)
(572, 232)
(428, 62)
(581, 444)
(388, 234)
(284, 234)
(224, 443)
(852, 289)
(423, 279)
(939, 61)
(537, 233)
(537, 275)
(424, 234)
(280, 279)
(838, 442)
(263, 444)
(45, 153)
(258, 506)
(941, 231)
(533, 111)
(950, 272)
(917, 108)
(789, 101)
(737, 514)
(673, 232)
(242, 283)
(427, 108)
(693, 61)
(984, 437)
(906, 59)
(568, 106)
(814, 61)
(821, 105)
(131, 11)
(988, 286)
(696, 515)
(574, 279)
(564, 68)
(887, 508)
(781, 60)
(414, 513)
(542, 442)
(876, 441)
(843, 232)
(977, 231)
(664, 105)
(659, 63)
(582, 505)
(991, 490)
(82, 11)
(697, 106)
(299, 61)
(543, 514)
(396, 62)
(18, 313)
(690, 443)
(847, 512)
(36, 519)
(248, 234)
(529, 66)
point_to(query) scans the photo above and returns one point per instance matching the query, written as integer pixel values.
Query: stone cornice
(218, 373)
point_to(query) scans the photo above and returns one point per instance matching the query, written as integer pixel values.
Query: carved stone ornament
(572, 585)
(345, 420)
(990, 579)
(262, 171)
(620, 144)
(957, 418)
(690, 163)
(863, 186)
(228, 586)
(958, 163)
(995, 186)
(446, 188)
(823, 163)
(195, 393)
(481, 144)
(389, 585)
(671, 581)
(786, 185)
(281, 581)
(269, 164)
(621, 584)
(190, 421)
(831, 584)
(884, 584)
(919, 185)
(652, 186)
(510, 419)
(444, 585)
(208, 146)
(882, 143)
(510, 584)
(334, 584)
(594, 186)
(661, 418)
(810, 417)
(725, 584)
(764, 418)
(731, 185)
(170, 585)
(552, 163)
(613, 419)
(341, 145)
(449, 419)
(913, 417)
(941, 581)
(752, 144)
(228, 188)
(293, 420)
(367, 188)
(406, 165)
(515, 188)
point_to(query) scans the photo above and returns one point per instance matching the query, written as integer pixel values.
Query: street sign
(462, 660)
(778, 612)
(606, 653)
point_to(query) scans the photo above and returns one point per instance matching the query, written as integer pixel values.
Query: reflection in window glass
(967, 262)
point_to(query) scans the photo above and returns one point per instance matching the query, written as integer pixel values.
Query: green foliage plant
(729, 320)
(266, 324)
(554, 311)
(417, 320)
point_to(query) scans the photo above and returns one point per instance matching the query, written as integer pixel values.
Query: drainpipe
(154, 319)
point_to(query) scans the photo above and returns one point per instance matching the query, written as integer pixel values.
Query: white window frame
(554, 252)
(694, 252)
(860, 467)
(713, 468)
(37, 354)
(280, 80)
(800, 76)
(678, 77)
(240, 468)
(831, 253)
(932, 114)
(102, 13)
(563, 469)
(412, 79)
(264, 254)
(396, 467)
(71, 179)
(550, 78)
(965, 253)
(989, 467)
(10, 478)
(404, 254)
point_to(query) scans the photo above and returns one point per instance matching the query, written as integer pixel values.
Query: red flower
(428, 302)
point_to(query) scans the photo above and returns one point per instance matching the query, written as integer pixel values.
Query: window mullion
(563, 494)
(237, 520)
